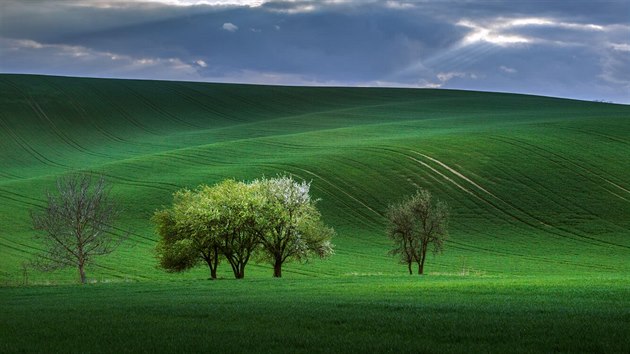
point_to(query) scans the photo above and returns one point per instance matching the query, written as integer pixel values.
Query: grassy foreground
(343, 314)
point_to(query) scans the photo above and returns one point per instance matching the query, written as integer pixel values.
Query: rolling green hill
(536, 185)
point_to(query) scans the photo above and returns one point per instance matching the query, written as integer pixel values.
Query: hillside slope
(536, 185)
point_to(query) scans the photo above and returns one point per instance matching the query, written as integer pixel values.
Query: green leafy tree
(236, 206)
(290, 224)
(76, 224)
(414, 225)
(191, 231)
(207, 223)
(186, 236)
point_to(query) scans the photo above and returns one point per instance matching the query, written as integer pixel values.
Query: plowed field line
(340, 190)
(453, 171)
(29, 149)
(532, 148)
(578, 237)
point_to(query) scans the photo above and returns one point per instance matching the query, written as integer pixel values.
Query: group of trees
(272, 220)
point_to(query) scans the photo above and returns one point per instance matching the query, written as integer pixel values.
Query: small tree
(416, 223)
(75, 226)
(291, 224)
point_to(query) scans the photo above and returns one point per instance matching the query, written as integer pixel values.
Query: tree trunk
(212, 264)
(215, 260)
(423, 256)
(409, 267)
(277, 268)
(82, 273)
(241, 273)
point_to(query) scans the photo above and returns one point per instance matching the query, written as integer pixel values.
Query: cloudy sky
(577, 49)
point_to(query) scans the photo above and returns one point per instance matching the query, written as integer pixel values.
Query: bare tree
(415, 224)
(75, 225)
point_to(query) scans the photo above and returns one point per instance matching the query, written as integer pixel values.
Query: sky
(576, 49)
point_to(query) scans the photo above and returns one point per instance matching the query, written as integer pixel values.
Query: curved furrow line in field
(251, 107)
(618, 196)
(203, 152)
(566, 230)
(31, 201)
(590, 132)
(349, 208)
(24, 145)
(119, 273)
(107, 134)
(380, 215)
(234, 107)
(25, 247)
(531, 257)
(147, 102)
(537, 150)
(511, 219)
(81, 111)
(571, 234)
(219, 101)
(6, 245)
(131, 182)
(122, 112)
(456, 173)
(507, 170)
(359, 165)
(180, 90)
(302, 116)
(561, 196)
(145, 183)
(120, 231)
(269, 141)
(196, 155)
(65, 138)
(588, 175)
(177, 158)
(9, 176)
(334, 197)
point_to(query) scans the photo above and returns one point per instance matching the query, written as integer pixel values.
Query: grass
(344, 314)
(539, 191)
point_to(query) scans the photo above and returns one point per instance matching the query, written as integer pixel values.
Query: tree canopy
(273, 219)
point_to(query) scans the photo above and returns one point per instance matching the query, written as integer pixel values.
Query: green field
(539, 191)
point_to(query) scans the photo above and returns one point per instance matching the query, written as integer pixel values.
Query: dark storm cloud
(573, 49)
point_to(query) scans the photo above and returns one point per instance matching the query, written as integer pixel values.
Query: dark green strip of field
(344, 314)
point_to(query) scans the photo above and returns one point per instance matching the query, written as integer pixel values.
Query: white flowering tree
(291, 225)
